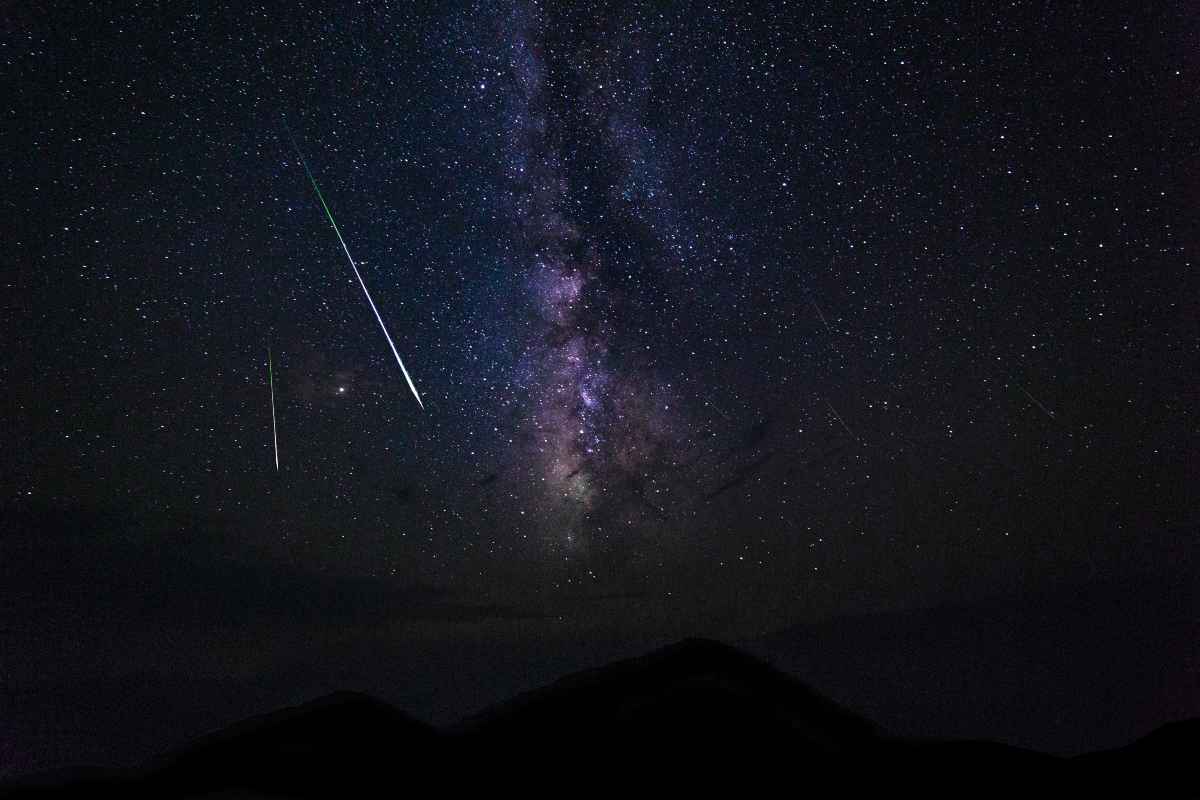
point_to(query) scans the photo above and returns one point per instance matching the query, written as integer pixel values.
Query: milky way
(597, 420)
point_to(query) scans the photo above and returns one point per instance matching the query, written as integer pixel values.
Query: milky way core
(600, 415)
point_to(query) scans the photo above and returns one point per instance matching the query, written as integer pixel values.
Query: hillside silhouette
(695, 713)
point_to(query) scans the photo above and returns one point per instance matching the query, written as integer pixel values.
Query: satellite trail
(354, 266)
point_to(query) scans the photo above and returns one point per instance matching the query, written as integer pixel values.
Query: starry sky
(724, 316)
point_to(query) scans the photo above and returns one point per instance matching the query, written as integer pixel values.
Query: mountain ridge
(697, 710)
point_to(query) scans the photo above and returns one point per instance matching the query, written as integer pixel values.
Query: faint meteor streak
(354, 267)
(821, 315)
(1035, 401)
(274, 430)
(842, 421)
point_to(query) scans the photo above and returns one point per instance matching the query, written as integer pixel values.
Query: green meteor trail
(354, 267)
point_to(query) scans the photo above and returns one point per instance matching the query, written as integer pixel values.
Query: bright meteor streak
(354, 267)
(274, 431)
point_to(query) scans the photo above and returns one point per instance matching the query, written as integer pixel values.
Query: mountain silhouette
(1066, 670)
(697, 713)
(697, 693)
(319, 749)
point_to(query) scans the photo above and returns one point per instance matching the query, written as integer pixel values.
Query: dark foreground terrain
(696, 714)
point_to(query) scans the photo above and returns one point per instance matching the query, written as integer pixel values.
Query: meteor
(354, 267)
(1037, 403)
(274, 432)
(839, 419)
(821, 315)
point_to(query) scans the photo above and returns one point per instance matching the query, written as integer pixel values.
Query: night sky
(724, 318)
